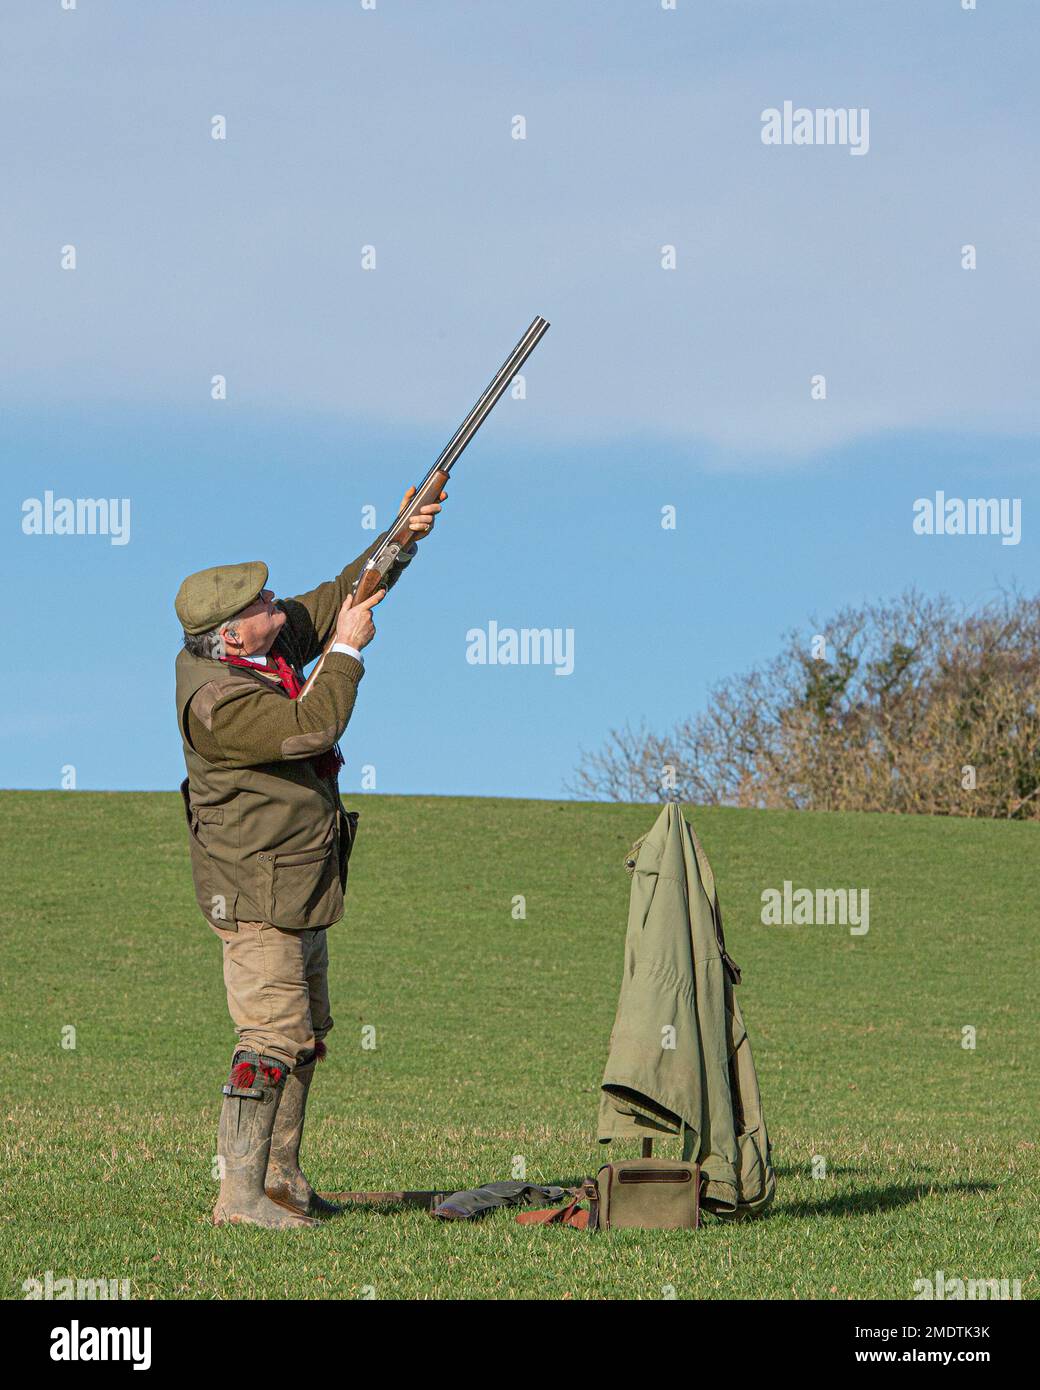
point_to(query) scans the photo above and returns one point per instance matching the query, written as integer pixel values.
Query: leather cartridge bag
(652, 1194)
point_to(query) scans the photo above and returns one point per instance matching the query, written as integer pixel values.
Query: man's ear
(229, 633)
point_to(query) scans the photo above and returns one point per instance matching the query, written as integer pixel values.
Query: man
(269, 846)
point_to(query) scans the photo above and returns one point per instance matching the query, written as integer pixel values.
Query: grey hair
(210, 644)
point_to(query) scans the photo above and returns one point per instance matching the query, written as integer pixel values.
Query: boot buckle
(246, 1093)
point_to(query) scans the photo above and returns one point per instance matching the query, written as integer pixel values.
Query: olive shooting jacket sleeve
(242, 723)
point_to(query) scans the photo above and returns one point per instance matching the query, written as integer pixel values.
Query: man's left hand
(421, 524)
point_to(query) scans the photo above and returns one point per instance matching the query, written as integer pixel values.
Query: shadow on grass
(804, 1170)
(392, 1203)
(855, 1203)
(878, 1199)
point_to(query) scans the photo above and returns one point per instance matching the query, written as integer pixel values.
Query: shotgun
(429, 490)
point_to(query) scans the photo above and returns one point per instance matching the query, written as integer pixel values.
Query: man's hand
(422, 523)
(354, 626)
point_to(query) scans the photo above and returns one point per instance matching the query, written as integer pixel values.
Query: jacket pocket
(214, 892)
(301, 890)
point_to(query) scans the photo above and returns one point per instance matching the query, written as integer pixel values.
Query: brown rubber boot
(285, 1182)
(251, 1104)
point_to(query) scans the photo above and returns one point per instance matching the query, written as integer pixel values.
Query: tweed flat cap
(209, 597)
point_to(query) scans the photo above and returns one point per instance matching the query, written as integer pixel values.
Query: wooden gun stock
(399, 534)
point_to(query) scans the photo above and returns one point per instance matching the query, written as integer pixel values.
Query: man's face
(256, 627)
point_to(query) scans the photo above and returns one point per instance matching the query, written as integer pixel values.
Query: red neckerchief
(325, 764)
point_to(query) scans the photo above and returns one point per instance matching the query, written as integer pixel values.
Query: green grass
(491, 1039)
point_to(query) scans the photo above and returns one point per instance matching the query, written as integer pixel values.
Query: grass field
(491, 1036)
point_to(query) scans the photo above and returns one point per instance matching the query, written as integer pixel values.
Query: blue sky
(688, 387)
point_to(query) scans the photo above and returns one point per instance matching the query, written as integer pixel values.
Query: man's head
(226, 611)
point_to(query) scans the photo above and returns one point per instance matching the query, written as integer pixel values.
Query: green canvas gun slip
(429, 490)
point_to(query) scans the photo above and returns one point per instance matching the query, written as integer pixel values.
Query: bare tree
(911, 707)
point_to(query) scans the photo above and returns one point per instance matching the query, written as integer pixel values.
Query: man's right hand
(354, 626)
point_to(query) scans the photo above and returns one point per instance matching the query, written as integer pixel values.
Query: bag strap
(573, 1214)
(570, 1215)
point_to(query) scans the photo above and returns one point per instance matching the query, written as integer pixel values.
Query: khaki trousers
(277, 988)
